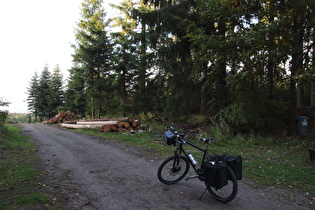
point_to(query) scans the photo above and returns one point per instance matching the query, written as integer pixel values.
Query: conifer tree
(92, 55)
(43, 95)
(75, 94)
(32, 99)
(125, 53)
(167, 23)
(57, 92)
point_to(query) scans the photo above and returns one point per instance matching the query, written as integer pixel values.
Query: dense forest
(249, 64)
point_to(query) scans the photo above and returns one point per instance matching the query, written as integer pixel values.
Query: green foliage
(262, 115)
(126, 57)
(19, 117)
(3, 118)
(237, 61)
(43, 94)
(146, 117)
(75, 95)
(91, 74)
(32, 91)
(56, 100)
(3, 115)
(46, 94)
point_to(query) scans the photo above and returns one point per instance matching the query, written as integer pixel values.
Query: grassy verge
(19, 180)
(281, 163)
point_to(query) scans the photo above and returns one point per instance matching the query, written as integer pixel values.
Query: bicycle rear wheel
(173, 169)
(227, 192)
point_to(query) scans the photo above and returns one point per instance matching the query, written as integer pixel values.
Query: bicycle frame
(182, 150)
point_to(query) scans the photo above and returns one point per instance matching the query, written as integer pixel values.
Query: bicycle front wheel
(227, 192)
(173, 169)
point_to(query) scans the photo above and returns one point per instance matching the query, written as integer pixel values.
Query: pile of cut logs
(64, 116)
(113, 124)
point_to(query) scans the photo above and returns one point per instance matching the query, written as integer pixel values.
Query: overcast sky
(35, 33)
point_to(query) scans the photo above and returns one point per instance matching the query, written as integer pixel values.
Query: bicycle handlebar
(181, 137)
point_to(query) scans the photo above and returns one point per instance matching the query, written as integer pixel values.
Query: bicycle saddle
(206, 140)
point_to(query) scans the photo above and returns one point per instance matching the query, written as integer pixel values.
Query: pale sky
(35, 33)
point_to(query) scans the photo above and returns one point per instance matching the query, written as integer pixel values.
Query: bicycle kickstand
(202, 194)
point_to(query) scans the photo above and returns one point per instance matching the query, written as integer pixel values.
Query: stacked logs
(107, 125)
(62, 117)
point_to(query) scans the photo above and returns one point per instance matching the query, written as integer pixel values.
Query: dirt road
(93, 173)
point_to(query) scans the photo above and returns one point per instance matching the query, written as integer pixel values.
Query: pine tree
(44, 95)
(57, 92)
(32, 99)
(92, 54)
(75, 94)
(167, 24)
(125, 53)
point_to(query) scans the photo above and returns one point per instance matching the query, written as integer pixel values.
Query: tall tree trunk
(296, 66)
(99, 108)
(142, 71)
(140, 99)
(270, 73)
(223, 91)
(271, 66)
(92, 108)
(313, 94)
(36, 116)
(313, 70)
(299, 96)
(123, 78)
(204, 94)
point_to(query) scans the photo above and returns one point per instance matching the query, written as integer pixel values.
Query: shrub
(257, 116)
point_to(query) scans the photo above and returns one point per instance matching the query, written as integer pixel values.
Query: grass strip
(19, 175)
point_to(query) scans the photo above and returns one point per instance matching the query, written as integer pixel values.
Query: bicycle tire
(228, 192)
(173, 169)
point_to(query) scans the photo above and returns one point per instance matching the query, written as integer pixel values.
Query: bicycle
(217, 171)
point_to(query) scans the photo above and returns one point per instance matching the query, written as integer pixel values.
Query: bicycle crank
(191, 177)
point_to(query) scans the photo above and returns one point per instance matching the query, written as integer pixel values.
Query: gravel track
(92, 173)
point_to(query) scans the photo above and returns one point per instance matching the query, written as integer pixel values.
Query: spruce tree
(75, 94)
(92, 55)
(32, 99)
(57, 92)
(125, 53)
(44, 95)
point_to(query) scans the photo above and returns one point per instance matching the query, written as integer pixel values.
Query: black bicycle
(219, 172)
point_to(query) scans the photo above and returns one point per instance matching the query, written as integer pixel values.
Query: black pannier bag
(235, 163)
(215, 173)
(169, 137)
